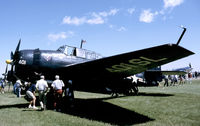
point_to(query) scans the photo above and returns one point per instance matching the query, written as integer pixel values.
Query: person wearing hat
(42, 88)
(57, 85)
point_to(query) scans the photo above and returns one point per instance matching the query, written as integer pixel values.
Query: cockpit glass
(82, 53)
(68, 50)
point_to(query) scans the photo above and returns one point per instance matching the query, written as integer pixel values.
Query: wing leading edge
(127, 64)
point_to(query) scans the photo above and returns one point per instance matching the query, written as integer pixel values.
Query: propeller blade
(11, 55)
(17, 49)
(15, 56)
(6, 71)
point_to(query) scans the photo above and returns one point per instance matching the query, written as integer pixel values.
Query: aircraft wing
(173, 72)
(179, 71)
(130, 63)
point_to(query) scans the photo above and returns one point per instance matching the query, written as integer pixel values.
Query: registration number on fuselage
(22, 62)
(133, 64)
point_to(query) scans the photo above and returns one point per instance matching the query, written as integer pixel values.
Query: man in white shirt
(57, 86)
(42, 88)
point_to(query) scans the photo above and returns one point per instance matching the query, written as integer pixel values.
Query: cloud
(93, 18)
(172, 3)
(121, 29)
(147, 16)
(74, 21)
(116, 28)
(60, 36)
(112, 12)
(96, 20)
(131, 10)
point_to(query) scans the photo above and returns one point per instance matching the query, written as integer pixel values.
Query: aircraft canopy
(82, 53)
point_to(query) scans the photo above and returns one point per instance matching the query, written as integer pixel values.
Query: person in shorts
(31, 94)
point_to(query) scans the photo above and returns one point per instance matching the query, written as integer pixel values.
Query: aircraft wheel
(135, 89)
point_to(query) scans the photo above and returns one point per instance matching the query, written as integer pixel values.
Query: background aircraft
(88, 70)
(153, 76)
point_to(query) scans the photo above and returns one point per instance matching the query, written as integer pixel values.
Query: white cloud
(93, 18)
(172, 3)
(74, 21)
(116, 28)
(131, 10)
(96, 20)
(60, 36)
(121, 29)
(113, 12)
(147, 16)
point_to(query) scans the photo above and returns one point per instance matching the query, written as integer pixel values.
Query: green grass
(155, 106)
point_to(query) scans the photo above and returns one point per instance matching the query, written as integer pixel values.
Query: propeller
(14, 58)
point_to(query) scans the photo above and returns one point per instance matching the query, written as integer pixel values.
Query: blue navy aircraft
(152, 77)
(185, 70)
(88, 70)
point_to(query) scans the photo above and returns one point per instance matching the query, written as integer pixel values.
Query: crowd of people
(179, 79)
(43, 93)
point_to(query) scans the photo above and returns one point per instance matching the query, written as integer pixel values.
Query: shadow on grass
(24, 105)
(96, 109)
(154, 94)
(99, 110)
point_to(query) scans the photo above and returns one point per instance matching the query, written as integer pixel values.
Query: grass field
(155, 106)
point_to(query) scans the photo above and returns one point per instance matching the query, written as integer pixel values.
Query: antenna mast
(179, 40)
(82, 41)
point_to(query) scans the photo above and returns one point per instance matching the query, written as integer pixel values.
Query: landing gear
(132, 91)
(125, 87)
(135, 90)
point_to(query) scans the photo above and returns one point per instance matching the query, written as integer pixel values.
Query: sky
(109, 27)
